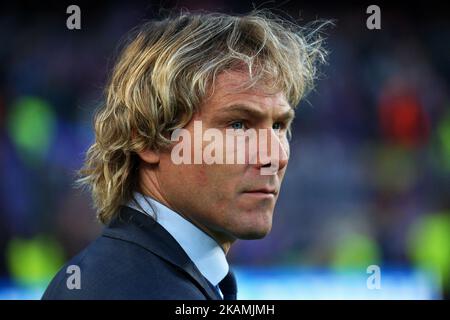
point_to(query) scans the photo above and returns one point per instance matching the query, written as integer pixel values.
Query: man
(170, 223)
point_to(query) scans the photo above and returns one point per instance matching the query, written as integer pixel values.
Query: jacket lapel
(134, 226)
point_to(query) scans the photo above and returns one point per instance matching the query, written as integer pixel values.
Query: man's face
(231, 201)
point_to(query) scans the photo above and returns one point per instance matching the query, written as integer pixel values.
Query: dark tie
(228, 286)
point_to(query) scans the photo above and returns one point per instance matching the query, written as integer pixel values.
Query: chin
(253, 236)
(253, 233)
(249, 225)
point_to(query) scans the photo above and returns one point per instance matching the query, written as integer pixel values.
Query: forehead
(228, 91)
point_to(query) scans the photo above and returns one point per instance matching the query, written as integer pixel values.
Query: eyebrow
(254, 113)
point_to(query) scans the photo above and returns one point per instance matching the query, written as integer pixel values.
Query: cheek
(212, 177)
(214, 188)
(201, 177)
(217, 183)
(285, 145)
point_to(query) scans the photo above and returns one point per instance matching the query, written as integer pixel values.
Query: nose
(273, 152)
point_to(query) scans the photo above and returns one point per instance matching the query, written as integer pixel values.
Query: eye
(277, 126)
(238, 125)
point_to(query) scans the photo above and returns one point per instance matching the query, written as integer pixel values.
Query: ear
(149, 156)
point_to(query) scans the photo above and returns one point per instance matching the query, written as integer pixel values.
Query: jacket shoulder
(116, 269)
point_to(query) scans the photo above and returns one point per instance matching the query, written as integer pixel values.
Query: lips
(263, 190)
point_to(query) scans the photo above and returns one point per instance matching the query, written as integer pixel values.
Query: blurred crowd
(368, 181)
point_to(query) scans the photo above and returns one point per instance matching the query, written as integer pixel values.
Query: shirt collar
(203, 250)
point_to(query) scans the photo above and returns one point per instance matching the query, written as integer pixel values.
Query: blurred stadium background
(368, 182)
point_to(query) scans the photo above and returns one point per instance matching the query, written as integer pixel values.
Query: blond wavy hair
(165, 72)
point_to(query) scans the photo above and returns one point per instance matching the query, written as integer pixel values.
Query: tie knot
(228, 286)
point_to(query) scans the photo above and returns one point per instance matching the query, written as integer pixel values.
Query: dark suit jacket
(134, 258)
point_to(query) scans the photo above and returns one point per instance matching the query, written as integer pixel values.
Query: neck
(149, 187)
